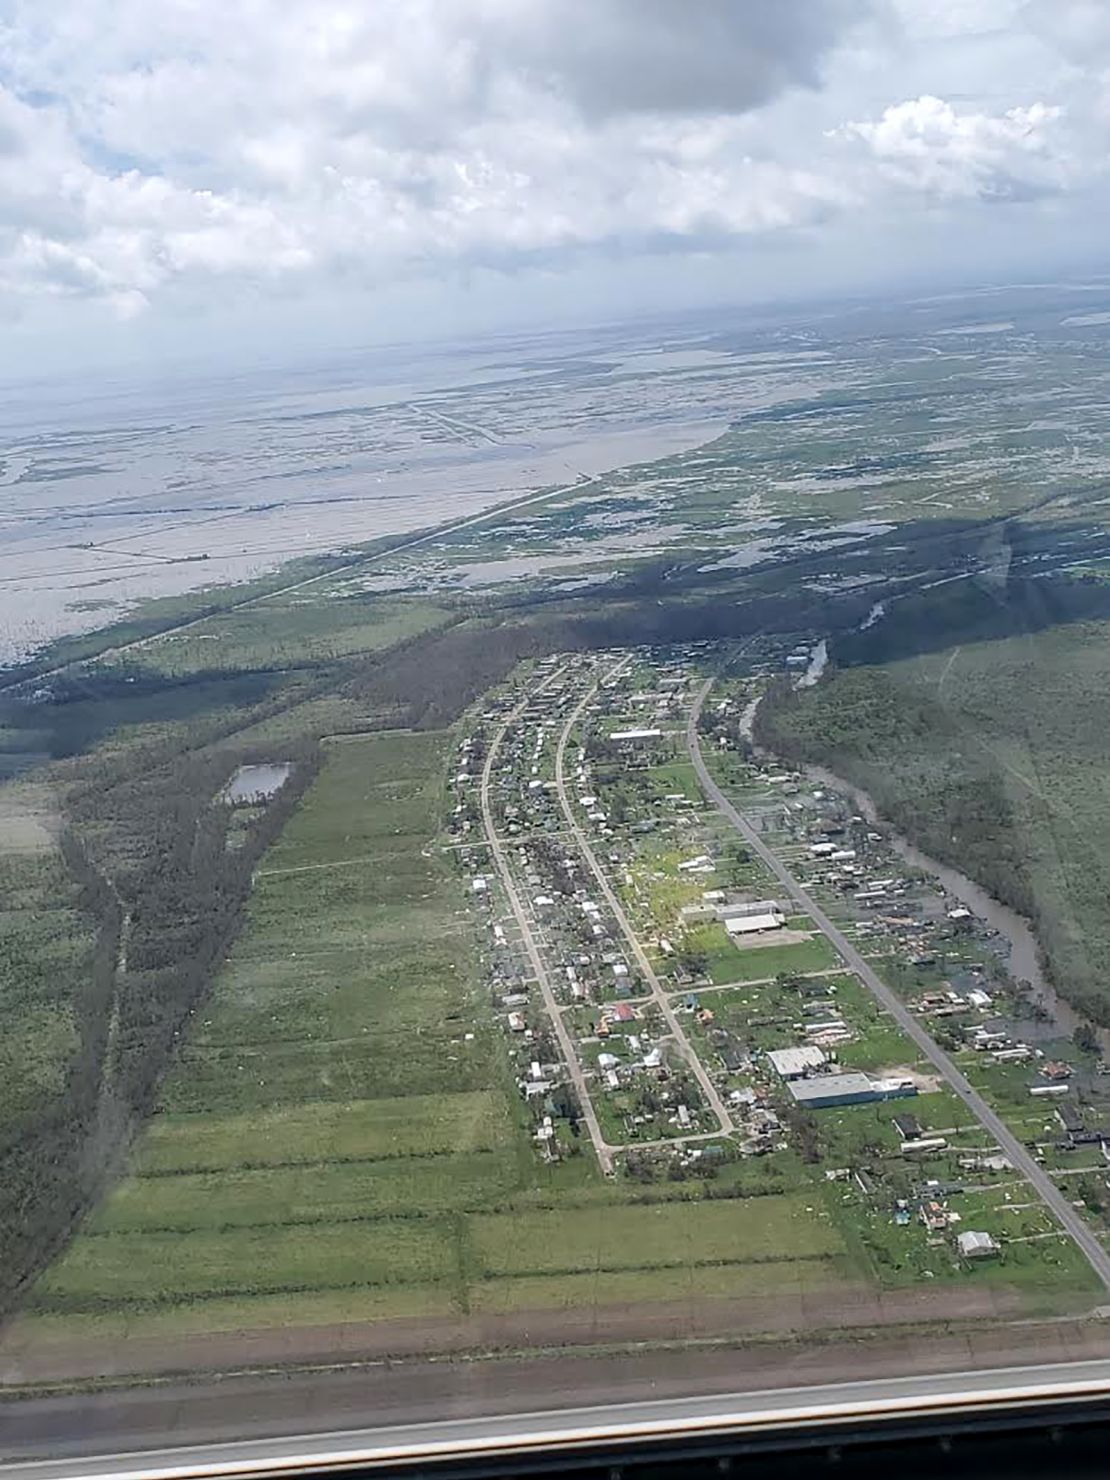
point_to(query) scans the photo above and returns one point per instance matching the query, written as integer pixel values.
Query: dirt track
(273, 1404)
(26, 1358)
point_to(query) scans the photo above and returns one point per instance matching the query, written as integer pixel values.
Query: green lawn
(731, 963)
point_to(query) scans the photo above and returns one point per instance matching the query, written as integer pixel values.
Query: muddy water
(257, 783)
(1023, 957)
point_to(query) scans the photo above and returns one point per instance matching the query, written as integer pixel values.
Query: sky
(222, 178)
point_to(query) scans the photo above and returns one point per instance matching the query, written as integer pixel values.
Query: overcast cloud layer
(191, 151)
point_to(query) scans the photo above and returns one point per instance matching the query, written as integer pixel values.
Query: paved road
(661, 999)
(521, 1433)
(497, 852)
(1096, 1255)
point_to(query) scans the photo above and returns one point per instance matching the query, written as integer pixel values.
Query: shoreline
(447, 501)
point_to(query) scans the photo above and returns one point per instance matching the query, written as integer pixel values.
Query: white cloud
(151, 148)
(927, 144)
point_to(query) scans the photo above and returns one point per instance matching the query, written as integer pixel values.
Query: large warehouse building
(824, 1090)
(752, 924)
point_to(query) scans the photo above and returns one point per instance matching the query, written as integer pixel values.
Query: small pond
(257, 783)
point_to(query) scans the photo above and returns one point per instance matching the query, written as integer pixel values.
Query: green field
(727, 962)
(329, 1104)
(316, 1192)
(339, 1130)
(338, 1138)
(355, 974)
(743, 1230)
(296, 629)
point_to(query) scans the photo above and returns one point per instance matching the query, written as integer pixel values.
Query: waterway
(1023, 954)
(1023, 958)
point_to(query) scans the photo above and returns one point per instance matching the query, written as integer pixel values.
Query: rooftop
(790, 1062)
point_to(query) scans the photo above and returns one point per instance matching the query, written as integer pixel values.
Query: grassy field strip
(159, 1268)
(319, 1192)
(149, 1268)
(614, 1238)
(305, 868)
(603, 1288)
(323, 1132)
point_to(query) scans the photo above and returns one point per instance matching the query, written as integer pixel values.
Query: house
(908, 1127)
(751, 907)
(1055, 1070)
(974, 1245)
(934, 1216)
(1070, 1118)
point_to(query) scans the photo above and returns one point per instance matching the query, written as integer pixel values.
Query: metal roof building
(752, 924)
(791, 1063)
(825, 1090)
(742, 907)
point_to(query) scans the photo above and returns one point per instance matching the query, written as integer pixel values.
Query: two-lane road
(1019, 1156)
(708, 1088)
(539, 970)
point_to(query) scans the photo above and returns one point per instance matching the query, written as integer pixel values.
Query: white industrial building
(792, 1063)
(752, 924)
(743, 907)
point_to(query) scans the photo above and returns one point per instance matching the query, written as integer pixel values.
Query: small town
(701, 958)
